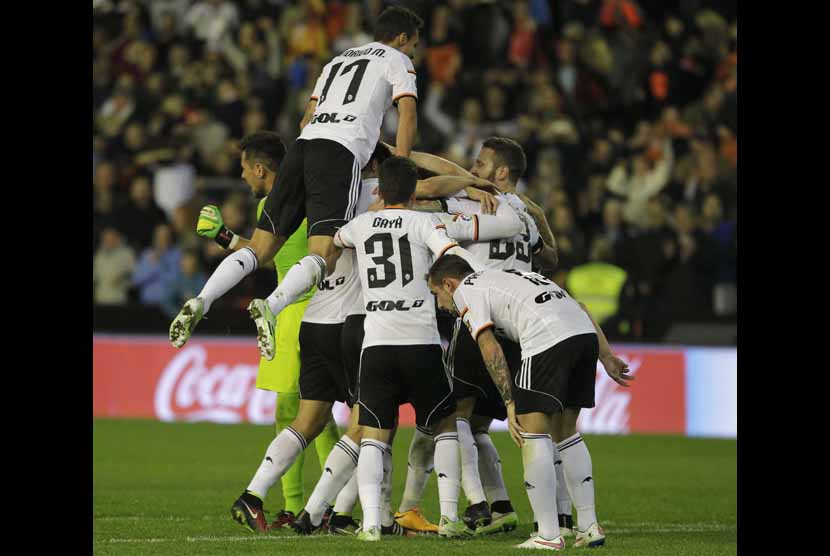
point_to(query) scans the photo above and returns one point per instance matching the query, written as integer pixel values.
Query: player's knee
(447, 424)
(355, 433)
(464, 408)
(265, 245)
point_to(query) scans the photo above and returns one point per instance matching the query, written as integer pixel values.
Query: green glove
(211, 225)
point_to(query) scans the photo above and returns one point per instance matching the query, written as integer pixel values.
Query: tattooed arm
(496, 364)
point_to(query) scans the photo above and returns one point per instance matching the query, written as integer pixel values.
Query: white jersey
(354, 91)
(395, 249)
(504, 253)
(524, 306)
(337, 293)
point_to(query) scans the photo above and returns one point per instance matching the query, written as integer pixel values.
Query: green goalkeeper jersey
(294, 249)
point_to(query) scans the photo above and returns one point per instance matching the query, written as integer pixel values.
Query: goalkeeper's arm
(211, 225)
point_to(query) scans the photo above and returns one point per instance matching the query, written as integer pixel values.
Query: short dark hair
(508, 153)
(395, 20)
(398, 177)
(265, 147)
(449, 266)
(380, 154)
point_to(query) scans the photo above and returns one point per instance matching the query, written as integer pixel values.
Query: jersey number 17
(357, 77)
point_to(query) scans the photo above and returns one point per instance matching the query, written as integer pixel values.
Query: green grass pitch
(167, 488)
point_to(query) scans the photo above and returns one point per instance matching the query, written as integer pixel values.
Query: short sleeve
(474, 309)
(344, 237)
(401, 75)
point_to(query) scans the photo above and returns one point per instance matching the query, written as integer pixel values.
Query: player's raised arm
(448, 186)
(309, 112)
(538, 215)
(438, 165)
(407, 125)
(211, 225)
(546, 254)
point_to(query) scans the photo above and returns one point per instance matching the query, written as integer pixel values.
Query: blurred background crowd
(627, 110)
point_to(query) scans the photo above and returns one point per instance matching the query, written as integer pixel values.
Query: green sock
(325, 441)
(288, 404)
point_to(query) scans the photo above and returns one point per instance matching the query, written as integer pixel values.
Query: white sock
(347, 498)
(386, 517)
(418, 470)
(369, 479)
(540, 482)
(337, 471)
(489, 468)
(299, 279)
(279, 456)
(576, 461)
(563, 500)
(470, 480)
(448, 469)
(229, 273)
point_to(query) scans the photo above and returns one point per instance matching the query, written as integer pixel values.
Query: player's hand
(488, 202)
(513, 425)
(210, 221)
(616, 368)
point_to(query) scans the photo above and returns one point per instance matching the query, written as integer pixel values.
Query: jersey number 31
(387, 250)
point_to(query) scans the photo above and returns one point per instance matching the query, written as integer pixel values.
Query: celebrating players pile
(382, 247)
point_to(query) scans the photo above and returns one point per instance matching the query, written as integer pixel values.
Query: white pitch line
(673, 528)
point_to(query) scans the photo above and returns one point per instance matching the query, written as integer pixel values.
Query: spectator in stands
(569, 239)
(594, 90)
(637, 181)
(210, 20)
(724, 234)
(443, 55)
(686, 293)
(174, 182)
(615, 231)
(598, 283)
(353, 34)
(111, 269)
(138, 218)
(186, 283)
(157, 268)
(523, 35)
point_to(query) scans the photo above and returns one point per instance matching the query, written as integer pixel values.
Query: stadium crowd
(627, 111)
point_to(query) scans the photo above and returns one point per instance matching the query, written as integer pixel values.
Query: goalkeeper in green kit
(262, 153)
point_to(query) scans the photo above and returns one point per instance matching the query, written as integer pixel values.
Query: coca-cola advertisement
(214, 380)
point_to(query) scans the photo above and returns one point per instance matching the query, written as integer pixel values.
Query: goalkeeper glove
(211, 225)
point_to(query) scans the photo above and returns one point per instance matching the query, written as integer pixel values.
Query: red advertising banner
(654, 402)
(215, 381)
(204, 381)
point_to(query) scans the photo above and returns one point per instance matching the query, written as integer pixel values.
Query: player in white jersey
(328, 375)
(401, 356)
(560, 344)
(319, 178)
(501, 161)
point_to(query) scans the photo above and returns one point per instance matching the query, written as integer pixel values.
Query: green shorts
(282, 374)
